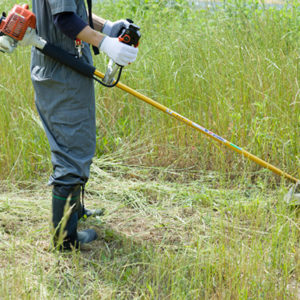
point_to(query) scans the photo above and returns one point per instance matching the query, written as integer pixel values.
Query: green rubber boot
(65, 219)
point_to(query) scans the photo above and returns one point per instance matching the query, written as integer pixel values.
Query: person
(65, 101)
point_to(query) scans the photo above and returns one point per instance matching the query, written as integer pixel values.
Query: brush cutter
(20, 26)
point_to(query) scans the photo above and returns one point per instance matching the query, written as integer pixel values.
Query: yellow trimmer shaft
(201, 129)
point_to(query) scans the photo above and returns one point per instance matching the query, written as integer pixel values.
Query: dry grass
(158, 239)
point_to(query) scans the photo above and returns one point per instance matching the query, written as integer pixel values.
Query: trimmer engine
(16, 23)
(14, 27)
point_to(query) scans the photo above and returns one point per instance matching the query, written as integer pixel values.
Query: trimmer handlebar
(130, 35)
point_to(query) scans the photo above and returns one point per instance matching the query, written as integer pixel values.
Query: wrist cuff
(107, 27)
(100, 44)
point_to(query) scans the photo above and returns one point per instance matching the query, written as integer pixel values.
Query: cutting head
(293, 196)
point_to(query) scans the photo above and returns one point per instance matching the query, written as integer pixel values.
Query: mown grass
(158, 240)
(186, 218)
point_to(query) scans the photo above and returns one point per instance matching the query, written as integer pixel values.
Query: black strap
(89, 2)
(69, 60)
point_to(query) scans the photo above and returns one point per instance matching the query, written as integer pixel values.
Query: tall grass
(235, 71)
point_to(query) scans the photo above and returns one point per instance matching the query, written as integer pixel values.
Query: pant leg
(66, 105)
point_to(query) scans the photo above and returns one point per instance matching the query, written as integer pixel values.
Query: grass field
(185, 217)
(236, 73)
(158, 240)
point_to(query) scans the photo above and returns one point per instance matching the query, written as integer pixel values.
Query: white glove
(7, 44)
(119, 52)
(113, 29)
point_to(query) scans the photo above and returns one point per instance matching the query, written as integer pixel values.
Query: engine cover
(17, 22)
